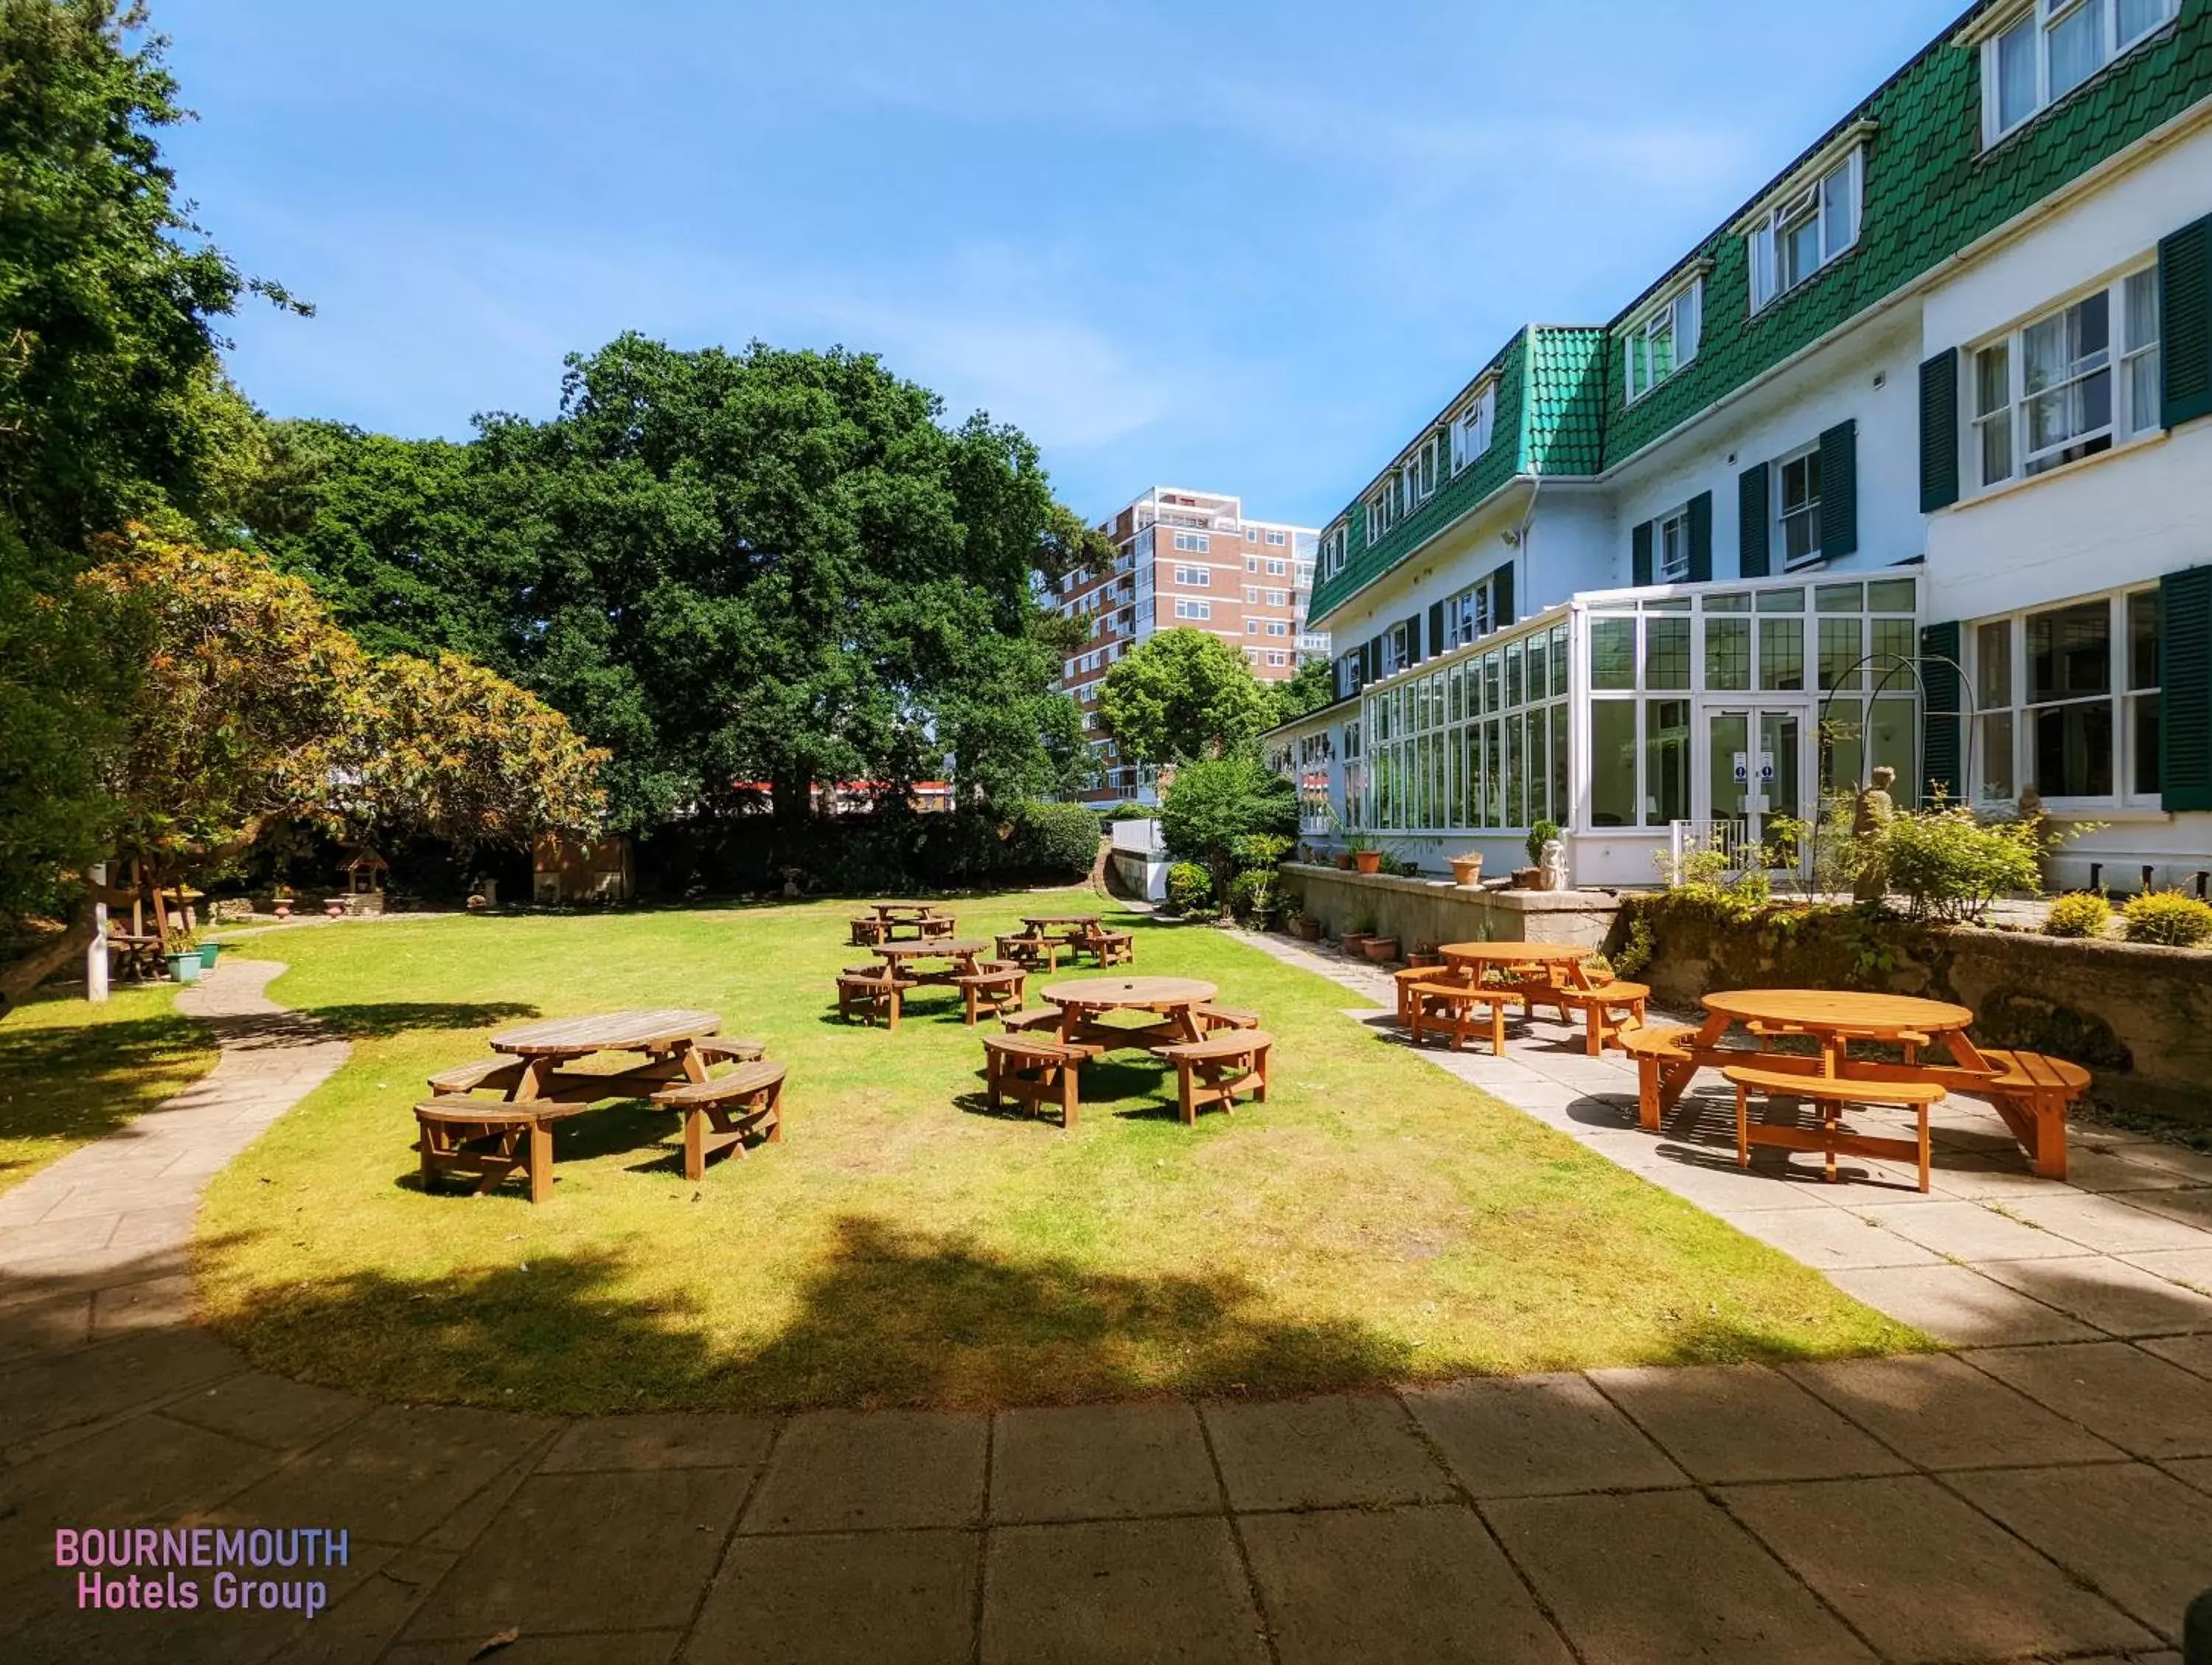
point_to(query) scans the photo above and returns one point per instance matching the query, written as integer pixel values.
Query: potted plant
(1424, 954)
(1466, 869)
(1305, 927)
(1366, 857)
(280, 901)
(210, 952)
(184, 959)
(1355, 938)
(1380, 950)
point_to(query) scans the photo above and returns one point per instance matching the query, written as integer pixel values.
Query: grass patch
(1375, 1221)
(71, 1072)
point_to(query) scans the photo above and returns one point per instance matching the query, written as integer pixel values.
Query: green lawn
(1375, 1221)
(71, 1072)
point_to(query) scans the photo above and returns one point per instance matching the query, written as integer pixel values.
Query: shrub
(1056, 839)
(1218, 800)
(1539, 836)
(1636, 953)
(1258, 852)
(1132, 812)
(1253, 898)
(1190, 887)
(1950, 866)
(2085, 913)
(2170, 918)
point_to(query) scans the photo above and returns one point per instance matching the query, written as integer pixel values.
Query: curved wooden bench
(487, 1141)
(1867, 1084)
(867, 931)
(1412, 976)
(719, 1050)
(1035, 1073)
(1453, 1005)
(1109, 947)
(1659, 1049)
(1597, 1005)
(1030, 951)
(1211, 1018)
(497, 1072)
(1215, 1070)
(996, 986)
(869, 995)
(2032, 1091)
(719, 1112)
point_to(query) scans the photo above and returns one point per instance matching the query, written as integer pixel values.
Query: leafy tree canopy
(1313, 687)
(1182, 695)
(1216, 802)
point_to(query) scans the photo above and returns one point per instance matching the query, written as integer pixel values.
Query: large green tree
(112, 404)
(1182, 695)
(741, 572)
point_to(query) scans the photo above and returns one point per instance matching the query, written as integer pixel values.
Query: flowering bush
(1950, 866)
(2169, 918)
(2084, 914)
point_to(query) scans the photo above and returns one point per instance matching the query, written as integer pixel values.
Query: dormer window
(1813, 221)
(1474, 427)
(1664, 339)
(2035, 54)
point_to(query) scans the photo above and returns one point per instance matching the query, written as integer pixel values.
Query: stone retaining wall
(1437, 911)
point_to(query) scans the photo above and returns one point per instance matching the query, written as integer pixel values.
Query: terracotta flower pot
(1467, 871)
(1353, 941)
(283, 908)
(1380, 949)
(1367, 861)
(1424, 961)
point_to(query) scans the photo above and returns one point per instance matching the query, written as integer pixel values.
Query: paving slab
(2109, 1294)
(1119, 1593)
(1743, 1422)
(675, 1439)
(2120, 1170)
(2141, 1404)
(394, 1475)
(609, 1648)
(1924, 1577)
(2192, 1352)
(2193, 1471)
(1328, 1451)
(154, 1304)
(51, 1324)
(2110, 1224)
(268, 1410)
(2141, 1537)
(1958, 1305)
(361, 1622)
(2193, 1206)
(588, 1553)
(2191, 1267)
(1659, 1577)
(889, 1598)
(1418, 1586)
(1723, 1188)
(1831, 1238)
(1095, 1462)
(1534, 1436)
(1941, 1413)
(90, 1384)
(1968, 1231)
(847, 1470)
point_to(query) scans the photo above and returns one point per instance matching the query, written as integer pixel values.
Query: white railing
(1139, 837)
(1685, 839)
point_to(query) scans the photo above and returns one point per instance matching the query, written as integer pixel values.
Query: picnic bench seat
(996, 986)
(1215, 1070)
(867, 931)
(1108, 947)
(871, 993)
(721, 1111)
(497, 1072)
(1030, 951)
(1864, 1083)
(1211, 1018)
(488, 1141)
(1451, 1006)
(2032, 1092)
(1411, 976)
(1037, 1072)
(1598, 1007)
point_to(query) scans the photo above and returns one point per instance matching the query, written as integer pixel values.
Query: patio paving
(2047, 1499)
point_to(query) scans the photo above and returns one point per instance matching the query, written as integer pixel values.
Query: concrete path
(2038, 1501)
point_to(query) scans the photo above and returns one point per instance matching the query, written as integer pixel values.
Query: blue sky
(1243, 247)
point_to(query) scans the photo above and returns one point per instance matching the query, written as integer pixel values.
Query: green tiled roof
(1930, 190)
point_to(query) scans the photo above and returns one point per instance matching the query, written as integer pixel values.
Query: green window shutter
(1501, 595)
(2184, 665)
(2185, 327)
(1939, 431)
(1436, 627)
(1701, 537)
(1639, 558)
(1754, 503)
(1941, 752)
(1375, 659)
(1839, 489)
(1414, 654)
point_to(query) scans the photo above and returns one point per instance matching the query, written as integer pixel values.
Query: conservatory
(1634, 720)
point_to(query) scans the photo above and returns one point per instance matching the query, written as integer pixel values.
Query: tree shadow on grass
(379, 1020)
(84, 1083)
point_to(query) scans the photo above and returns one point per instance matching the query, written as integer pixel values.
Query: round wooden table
(1172, 999)
(1836, 1016)
(664, 1033)
(1485, 956)
(960, 952)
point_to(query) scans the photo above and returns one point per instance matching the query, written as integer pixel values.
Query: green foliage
(1257, 851)
(1950, 866)
(1398, 867)
(1706, 880)
(1183, 697)
(1312, 686)
(1216, 800)
(1637, 952)
(2082, 914)
(1539, 836)
(2170, 918)
(1255, 897)
(1190, 887)
(1132, 812)
(1056, 840)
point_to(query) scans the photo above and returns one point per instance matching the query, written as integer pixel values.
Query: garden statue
(1554, 861)
(1872, 814)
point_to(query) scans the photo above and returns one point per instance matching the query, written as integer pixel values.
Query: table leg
(1670, 1091)
(1185, 1018)
(695, 1067)
(531, 1083)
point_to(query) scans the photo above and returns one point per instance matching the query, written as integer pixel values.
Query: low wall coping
(1501, 895)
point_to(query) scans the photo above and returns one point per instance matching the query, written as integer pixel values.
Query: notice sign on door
(1742, 767)
(1765, 766)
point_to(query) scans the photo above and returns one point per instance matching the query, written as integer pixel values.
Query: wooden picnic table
(664, 1035)
(1836, 1016)
(959, 953)
(1076, 925)
(1552, 956)
(1173, 1000)
(904, 911)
